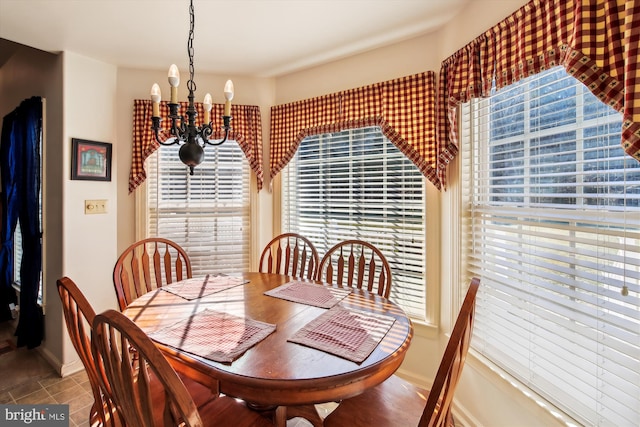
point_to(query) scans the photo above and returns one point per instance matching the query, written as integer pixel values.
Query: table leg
(308, 412)
(277, 414)
(281, 416)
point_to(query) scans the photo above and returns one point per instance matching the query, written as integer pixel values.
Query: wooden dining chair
(290, 254)
(397, 402)
(147, 390)
(147, 265)
(79, 315)
(357, 264)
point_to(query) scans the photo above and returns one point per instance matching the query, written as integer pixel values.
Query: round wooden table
(276, 372)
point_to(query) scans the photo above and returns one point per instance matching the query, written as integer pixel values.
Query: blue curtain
(20, 172)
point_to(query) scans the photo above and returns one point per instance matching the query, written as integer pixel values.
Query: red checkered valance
(404, 108)
(246, 131)
(597, 41)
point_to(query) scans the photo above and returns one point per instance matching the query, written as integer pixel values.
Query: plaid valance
(246, 131)
(404, 108)
(595, 40)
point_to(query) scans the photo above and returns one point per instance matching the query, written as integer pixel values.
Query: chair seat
(214, 409)
(393, 403)
(203, 398)
(200, 393)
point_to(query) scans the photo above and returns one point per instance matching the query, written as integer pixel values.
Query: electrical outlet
(95, 207)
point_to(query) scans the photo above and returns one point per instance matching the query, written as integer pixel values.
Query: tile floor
(27, 378)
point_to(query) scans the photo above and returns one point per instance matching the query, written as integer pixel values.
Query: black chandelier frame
(193, 137)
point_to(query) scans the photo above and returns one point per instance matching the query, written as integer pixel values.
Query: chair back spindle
(290, 254)
(147, 265)
(132, 374)
(357, 264)
(147, 389)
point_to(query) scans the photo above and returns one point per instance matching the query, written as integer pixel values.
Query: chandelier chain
(187, 132)
(191, 85)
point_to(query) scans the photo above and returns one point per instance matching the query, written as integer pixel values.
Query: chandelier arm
(217, 142)
(168, 141)
(226, 126)
(155, 127)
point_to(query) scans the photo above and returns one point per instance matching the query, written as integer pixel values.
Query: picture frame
(90, 160)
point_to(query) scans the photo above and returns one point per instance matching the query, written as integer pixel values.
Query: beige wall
(387, 63)
(89, 246)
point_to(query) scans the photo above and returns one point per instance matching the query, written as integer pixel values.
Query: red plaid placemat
(309, 293)
(351, 334)
(202, 286)
(214, 335)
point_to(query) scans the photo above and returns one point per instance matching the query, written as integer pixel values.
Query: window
(208, 214)
(356, 184)
(553, 228)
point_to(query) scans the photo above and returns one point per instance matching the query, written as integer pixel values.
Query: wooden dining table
(275, 372)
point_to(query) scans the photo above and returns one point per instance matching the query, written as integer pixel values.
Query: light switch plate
(95, 207)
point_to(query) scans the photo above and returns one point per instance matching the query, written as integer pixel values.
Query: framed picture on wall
(90, 160)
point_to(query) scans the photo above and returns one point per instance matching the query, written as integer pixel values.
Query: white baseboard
(71, 368)
(413, 378)
(49, 357)
(62, 369)
(462, 416)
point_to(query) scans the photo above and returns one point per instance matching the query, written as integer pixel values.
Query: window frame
(428, 324)
(453, 202)
(141, 222)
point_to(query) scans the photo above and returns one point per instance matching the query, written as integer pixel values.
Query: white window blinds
(553, 229)
(208, 213)
(356, 184)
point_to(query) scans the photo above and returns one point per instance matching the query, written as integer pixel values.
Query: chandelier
(192, 137)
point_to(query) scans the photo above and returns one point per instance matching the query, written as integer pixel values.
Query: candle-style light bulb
(155, 99)
(228, 95)
(207, 104)
(174, 81)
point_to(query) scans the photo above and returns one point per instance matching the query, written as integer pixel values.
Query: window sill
(423, 329)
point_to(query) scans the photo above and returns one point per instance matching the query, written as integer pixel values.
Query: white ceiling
(260, 38)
